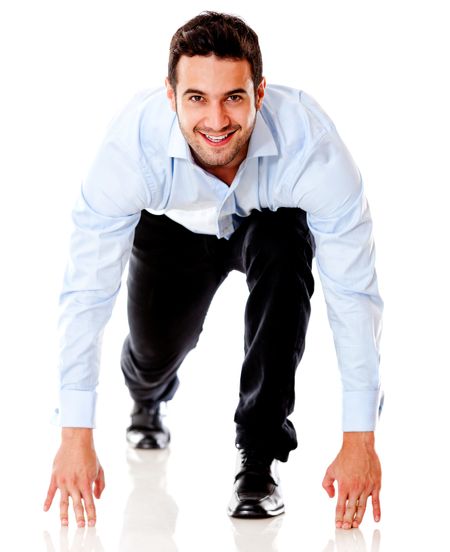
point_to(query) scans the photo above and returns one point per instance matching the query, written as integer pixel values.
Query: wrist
(359, 438)
(83, 435)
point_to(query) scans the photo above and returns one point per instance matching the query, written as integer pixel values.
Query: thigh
(171, 281)
(280, 236)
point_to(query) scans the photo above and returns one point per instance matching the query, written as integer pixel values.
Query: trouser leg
(172, 280)
(276, 254)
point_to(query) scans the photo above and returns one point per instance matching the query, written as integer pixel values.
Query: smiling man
(219, 172)
(218, 117)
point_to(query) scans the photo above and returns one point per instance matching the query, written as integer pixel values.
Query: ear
(260, 93)
(171, 95)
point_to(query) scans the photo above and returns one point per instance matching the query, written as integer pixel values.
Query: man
(227, 174)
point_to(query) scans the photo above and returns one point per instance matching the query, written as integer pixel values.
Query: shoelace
(255, 464)
(146, 417)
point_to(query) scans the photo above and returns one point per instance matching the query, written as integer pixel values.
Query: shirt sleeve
(104, 219)
(340, 221)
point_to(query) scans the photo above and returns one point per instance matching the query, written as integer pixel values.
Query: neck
(225, 174)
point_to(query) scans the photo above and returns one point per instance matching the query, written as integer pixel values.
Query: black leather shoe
(256, 487)
(147, 430)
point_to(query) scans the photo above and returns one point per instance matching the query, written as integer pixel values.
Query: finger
(350, 511)
(99, 483)
(376, 507)
(50, 495)
(64, 507)
(360, 510)
(78, 507)
(328, 485)
(89, 507)
(340, 508)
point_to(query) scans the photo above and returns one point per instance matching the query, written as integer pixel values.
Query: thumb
(99, 483)
(328, 483)
(50, 494)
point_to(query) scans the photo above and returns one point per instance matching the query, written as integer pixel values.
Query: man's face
(216, 107)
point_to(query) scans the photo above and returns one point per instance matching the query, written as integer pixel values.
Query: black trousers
(173, 276)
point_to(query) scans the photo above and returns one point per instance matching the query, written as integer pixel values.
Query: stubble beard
(206, 156)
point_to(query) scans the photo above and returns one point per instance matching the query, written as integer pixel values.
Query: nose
(217, 118)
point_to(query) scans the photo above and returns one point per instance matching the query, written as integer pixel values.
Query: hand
(75, 470)
(357, 471)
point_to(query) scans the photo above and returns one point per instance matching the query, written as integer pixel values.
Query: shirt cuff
(361, 409)
(77, 408)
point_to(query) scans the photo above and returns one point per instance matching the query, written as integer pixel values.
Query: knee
(157, 356)
(279, 251)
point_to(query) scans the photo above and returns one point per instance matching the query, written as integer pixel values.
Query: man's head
(210, 33)
(215, 85)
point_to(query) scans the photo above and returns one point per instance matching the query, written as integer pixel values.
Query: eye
(234, 98)
(196, 99)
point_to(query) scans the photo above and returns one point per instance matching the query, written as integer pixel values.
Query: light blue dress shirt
(295, 159)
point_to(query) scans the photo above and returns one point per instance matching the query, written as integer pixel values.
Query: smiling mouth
(222, 139)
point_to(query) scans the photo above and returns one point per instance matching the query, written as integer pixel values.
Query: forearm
(347, 271)
(100, 247)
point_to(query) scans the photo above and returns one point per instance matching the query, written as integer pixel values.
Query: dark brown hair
(225, 36)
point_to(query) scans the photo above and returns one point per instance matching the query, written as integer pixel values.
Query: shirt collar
(178, 146)
(261, 143)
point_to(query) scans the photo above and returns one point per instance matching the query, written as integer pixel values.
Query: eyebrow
(200, 93)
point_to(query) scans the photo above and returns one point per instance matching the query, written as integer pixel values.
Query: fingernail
(377, 518)
(91, 523)
(346, 525)
(339, 524)
(64, 522)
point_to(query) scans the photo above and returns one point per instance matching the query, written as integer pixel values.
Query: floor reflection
(84, 540)
(256, 535)
(151, 513)
(148, 521)
(353, 541)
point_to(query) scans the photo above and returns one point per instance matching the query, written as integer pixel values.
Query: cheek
(188, 120)
(250, 118)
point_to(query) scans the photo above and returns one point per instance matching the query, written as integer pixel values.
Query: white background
(380, 70)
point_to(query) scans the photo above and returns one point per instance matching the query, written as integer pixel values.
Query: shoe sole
(147, 446)
(255, 513)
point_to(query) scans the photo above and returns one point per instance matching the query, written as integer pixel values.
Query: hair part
(223, 35)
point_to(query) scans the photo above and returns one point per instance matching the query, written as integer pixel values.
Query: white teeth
(216, 138)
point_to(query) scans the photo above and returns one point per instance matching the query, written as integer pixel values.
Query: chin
(216, 161)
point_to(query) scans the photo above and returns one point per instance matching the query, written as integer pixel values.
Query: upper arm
(339, 218)
(329, 181)
(115, 185)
